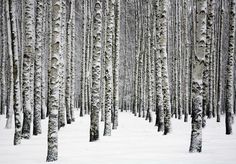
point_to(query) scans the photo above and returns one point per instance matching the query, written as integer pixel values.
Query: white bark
(197, 77)
(96, 69)
(108, 67)
(38, 69)
(229, 106)
(165, 80)
(29, 52)
(52, 154)
(16, 76)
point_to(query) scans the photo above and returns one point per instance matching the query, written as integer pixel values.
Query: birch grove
(64, 61)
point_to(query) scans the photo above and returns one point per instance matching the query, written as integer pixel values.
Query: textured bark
(50, 51)
(179, 62)
(10, 105)
(29, 52)
(52, 154)
(158, 61)
(137, 59)
(116, 67)
(186, 54)
(72, 99)
(3, 59)
(61, 116)
(44, 63)
(220, 87)
(149, 84)
(198, 68)
(108, 67)
(165, 80)
(229, 104)
(82, 107)
(68, 72)
(16, 69)
(38, 69)
(96, 70)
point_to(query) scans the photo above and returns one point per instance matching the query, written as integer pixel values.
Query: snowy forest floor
(135, 142)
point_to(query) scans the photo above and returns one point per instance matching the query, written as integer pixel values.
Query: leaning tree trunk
(52, 154)
(197, 77)
(16, 69)
(96, 69)
(229, 101)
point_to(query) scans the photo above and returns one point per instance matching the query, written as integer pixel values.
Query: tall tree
(29, 52)
(82, 107)
(163, 53)
(116, 65)
(11, 4)
(197, 77)
(38, 69)
(229, 104)
(108, 67)
(96, 70)
(52, 154)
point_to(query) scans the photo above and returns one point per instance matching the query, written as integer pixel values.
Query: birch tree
(96, 69)
(108, 67)
(229, 104)
(116, 65)
(29, 52)
(165, 80)
(52, 153)
(38, 69)
(11, 4)
(197, 77)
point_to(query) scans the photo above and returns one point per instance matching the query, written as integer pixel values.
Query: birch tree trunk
(116, 59)
(10, 54)
(108, 67)
(96, 70)
(68, 72)
(3, 59)
(229, 104)
(72, 100)
(149, 84)
(197, 77)
(165, 80)
(62, 110)
(52, 154)
(11, 4)
(82, 108)
(38, 69)
(29, 52)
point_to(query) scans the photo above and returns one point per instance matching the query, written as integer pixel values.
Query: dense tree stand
(75, 69)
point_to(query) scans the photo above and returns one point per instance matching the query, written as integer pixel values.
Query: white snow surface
(136, 141)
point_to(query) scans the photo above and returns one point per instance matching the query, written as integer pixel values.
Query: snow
(136, 141)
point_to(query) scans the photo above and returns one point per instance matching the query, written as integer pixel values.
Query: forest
(93, 73)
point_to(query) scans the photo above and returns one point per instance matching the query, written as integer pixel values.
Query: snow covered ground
(135, 142)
